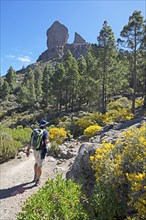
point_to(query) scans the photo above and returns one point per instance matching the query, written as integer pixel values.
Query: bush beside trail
(12, 140)
(57, 199)
(120, 171)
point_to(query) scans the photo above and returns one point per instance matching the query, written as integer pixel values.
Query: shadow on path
(19, 189)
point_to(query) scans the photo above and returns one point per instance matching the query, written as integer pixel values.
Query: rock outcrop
(57, 36)
(78, 39)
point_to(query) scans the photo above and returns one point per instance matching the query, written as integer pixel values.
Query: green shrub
(106, 203)
(8, 146)
(83, 123)
(119, 103)
(124, 103)
(69, 124)
(56, 200)
(21, 134)
(11, 140)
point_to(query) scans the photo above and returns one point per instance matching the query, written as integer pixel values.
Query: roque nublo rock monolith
(57, 45)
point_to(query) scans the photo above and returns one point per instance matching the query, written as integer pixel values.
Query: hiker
(40, 151)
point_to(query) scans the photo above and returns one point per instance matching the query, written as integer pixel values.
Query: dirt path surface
(16, 181)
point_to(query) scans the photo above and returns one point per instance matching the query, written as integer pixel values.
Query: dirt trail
(15, 182)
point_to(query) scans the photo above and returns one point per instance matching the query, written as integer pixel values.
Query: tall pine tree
(46, 88)
(106, 47)
(132, 36)
(11, 78)
(38, 84)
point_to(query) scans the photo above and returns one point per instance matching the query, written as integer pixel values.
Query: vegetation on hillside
(80, 97)
(86, 83)
(66, 127)
(119, 191)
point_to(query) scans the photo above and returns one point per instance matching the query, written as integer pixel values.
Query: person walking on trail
(39, 141)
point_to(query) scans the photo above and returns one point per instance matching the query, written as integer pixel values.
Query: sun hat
(44, 123)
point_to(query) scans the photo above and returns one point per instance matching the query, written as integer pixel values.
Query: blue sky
(24, 24)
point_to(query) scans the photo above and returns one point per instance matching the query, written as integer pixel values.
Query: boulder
(81, 170)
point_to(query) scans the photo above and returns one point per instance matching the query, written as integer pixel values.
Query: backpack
(36, 138)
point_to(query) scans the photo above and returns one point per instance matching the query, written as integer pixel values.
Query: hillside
(17, 174)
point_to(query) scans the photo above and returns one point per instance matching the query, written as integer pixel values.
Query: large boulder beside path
(81, 170)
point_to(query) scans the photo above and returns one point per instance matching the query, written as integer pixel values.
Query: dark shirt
(44, 147)
(45, 136)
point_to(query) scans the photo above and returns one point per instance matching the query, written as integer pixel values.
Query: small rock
(51, 159)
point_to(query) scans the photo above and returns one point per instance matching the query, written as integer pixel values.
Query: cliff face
(57, 36)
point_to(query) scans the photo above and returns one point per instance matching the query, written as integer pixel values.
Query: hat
(44, 123)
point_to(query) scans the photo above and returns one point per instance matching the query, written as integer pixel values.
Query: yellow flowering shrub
(112, 115)
(91, 130)
(123, 167)
(57, 135)
(139, 103)
(117, 115)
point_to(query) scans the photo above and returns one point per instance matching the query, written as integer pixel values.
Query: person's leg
(39, 168)
(37, 165)
(35, 170)
(39, 172)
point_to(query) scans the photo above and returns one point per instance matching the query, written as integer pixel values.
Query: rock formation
(57, 36)
(78, 39)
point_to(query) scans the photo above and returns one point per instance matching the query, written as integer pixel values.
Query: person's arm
(46, 139)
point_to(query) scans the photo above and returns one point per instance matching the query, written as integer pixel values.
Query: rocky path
(15, 181)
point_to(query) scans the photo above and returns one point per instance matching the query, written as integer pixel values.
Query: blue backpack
(36, 138)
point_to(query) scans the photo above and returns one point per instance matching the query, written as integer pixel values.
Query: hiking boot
(37, 182)
(34, 180)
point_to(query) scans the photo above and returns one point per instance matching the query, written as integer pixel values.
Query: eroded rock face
(77, 49)
(78, 39)
(57, 36)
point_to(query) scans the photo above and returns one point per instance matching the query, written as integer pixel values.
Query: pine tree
(70, 80)
(11, 78)
(22, 97)
(106, 47)
(1, 86)
(5, 90)
(46, 97)
(27, 96)
(90, 79)
(57, 86)
(31, 89)
(82, 68)
(38, 84)
(133, 36)
(143, 62)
